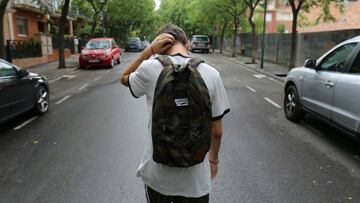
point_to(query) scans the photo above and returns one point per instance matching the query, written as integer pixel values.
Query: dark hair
(175, 31)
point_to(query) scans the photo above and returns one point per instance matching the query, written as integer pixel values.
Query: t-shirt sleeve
(138, 81)
(220, 103)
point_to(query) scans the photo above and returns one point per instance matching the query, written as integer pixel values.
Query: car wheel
(292, 106)
(42, 100)
(112, 65)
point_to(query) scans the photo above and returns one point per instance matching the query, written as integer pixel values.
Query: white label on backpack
(182, 102)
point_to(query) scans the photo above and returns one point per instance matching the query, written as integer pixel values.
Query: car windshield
(133, 40)
(98, 44)
(202, 39)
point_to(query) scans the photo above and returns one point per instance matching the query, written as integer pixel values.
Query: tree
(3, 4)
(128, 17)
(296, 6)
(251, 4)
(234, 8)
(63, 21)
(98, 8)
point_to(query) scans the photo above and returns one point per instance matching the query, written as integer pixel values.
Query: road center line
(82, 87)
(251, 89)
(272, 102)
(25, 123)
(63, 99)
(98, 77)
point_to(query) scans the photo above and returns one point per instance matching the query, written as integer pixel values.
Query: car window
(201, 39)
(98, 44)
(6, 70)
(355, 68)
(336, 60)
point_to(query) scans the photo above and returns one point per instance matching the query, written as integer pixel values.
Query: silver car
(328, 87)
(200, 43)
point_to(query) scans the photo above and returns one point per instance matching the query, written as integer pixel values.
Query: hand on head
(162, 43)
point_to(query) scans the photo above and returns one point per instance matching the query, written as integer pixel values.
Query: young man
(173, 184)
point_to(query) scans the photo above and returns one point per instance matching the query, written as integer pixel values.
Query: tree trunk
(235, 34)
(63, 20)
(253, 36)
(93, 27)
(213, 38)
(2, 14)
(293, 40)
(222, 35)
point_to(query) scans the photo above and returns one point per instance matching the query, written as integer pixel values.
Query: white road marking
(82, 87)
(259, 76)
(98, 77)
(272, 102)
(251, 89)
(63, 99)
(25, 123)
(54, 80)
(272, 79)
(108, 71)
(69, 77)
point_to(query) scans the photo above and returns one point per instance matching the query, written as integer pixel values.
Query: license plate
(93, 61)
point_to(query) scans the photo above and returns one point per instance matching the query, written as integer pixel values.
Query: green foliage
(280, 28)
(126, 17)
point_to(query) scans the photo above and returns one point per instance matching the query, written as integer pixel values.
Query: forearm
(134, 65)
(214, 149)
(215, 141)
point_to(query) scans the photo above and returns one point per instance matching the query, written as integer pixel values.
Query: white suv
(200, 43)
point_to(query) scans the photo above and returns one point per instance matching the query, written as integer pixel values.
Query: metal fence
(17, 49)
(68, 44)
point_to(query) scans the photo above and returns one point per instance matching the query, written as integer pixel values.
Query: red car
(100, 52)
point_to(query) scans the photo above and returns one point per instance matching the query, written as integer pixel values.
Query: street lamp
(263, 37)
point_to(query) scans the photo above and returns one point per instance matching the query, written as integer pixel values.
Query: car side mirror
(22, 73)
(310, 63)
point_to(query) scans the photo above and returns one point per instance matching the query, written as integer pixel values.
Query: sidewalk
(51, 71)
(276, 70)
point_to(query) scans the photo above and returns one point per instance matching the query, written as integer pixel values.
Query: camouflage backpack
(181, 115)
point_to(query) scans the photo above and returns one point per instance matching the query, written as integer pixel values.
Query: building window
(22, 26)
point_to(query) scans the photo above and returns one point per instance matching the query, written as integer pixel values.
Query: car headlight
(106, 53)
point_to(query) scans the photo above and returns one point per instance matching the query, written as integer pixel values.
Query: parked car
(145, 44)
(100, 52)
(21, 91)
(328, 87)
(200, 43)
(134, 44)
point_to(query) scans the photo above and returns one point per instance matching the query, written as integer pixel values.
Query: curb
(277, 78)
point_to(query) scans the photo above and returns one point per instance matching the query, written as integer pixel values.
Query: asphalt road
(88, 146)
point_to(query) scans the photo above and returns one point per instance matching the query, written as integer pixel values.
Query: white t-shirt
(194, 181)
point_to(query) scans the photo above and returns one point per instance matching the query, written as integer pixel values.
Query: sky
(157, 4)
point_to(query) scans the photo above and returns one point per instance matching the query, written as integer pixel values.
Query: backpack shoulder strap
(164, 60)
(194, 62)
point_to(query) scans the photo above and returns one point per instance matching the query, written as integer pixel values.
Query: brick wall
(32, 23)
(29, 62)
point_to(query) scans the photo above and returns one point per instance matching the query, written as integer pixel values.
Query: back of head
(175, 31)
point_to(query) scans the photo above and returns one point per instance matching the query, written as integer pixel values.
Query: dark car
(134, 44)
(21, 91)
